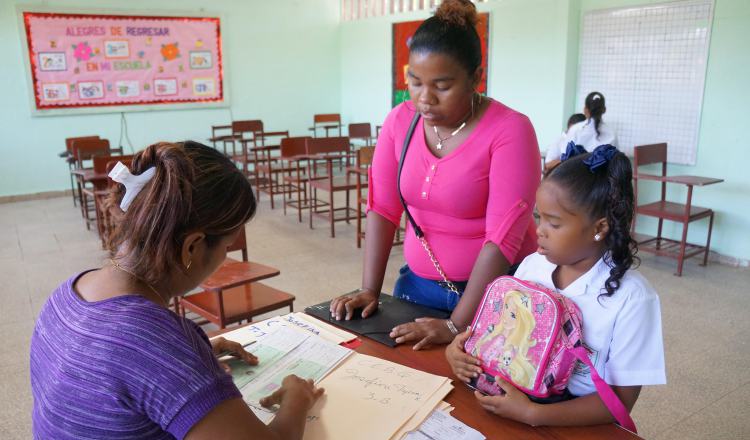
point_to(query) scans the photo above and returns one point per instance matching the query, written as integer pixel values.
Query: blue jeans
(431, 293)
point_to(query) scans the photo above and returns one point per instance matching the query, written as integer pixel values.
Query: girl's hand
(426, 331)
(464, 366)
(513, 404)
(294, 390)
(221, 345)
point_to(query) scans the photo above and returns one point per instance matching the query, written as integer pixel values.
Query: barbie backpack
(532, 337)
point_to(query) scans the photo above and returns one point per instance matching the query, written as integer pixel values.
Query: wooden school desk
(468, 410)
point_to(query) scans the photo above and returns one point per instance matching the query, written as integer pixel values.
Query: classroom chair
(294, 159)
(70, 159)
(220, 133)
(84, 150)
(663, 209)
(361, 131)
(327, 122)
(327, 151)
(233, 293)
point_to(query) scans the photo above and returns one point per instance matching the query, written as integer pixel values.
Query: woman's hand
(427, 331)
(513, 404)
(345, 305)
(294, 390)
(221, 345)
(464, 366)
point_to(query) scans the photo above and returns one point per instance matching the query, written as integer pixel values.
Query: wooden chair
(327, 151)
(361, 132)
(327, 122)
(294, 160)
(233, 293)
(99, 186)
(361, 171)
(242, 131)
(84, 150)
(267, 167)
(71, 161)
(666, 210)
(220, 133)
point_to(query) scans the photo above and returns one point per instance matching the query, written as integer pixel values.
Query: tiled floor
(706, 326)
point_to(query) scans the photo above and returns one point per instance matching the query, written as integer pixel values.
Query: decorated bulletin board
(402, 33)
(108, 61)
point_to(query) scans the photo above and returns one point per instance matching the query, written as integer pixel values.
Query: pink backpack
(532, 337)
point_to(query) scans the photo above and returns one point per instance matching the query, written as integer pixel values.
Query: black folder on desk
(391, 312)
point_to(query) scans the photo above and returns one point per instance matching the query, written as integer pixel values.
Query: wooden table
(469, 411)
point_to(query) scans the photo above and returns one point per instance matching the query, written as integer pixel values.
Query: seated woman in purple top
(108, 357)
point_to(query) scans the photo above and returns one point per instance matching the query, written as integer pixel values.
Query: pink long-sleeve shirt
(481, 192)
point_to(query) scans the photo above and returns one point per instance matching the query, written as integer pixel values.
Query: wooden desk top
(685, 180)
(470, 412)
(233, 273)
(88, 175)
(466, 407)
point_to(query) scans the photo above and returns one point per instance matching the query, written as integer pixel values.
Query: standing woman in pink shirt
(469, 181)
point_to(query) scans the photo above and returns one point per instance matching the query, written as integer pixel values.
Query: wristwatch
(451, 326)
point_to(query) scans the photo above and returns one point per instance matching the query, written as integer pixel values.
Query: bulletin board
(402, 33)
(110, 62)
(649, 62)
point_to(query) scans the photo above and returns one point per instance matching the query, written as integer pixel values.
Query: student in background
(586, 253)
(108, 357)
(589, 133)
(561, 142)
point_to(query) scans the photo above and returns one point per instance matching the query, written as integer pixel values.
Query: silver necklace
(441, 140)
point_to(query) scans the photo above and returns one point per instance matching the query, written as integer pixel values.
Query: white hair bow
(133, 184)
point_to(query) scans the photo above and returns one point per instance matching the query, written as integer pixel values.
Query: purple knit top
(121, 368)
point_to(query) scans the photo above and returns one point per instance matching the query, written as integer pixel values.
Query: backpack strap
(610, 399)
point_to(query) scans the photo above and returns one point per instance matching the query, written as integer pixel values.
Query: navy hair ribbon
(600, 156)
(572, 150)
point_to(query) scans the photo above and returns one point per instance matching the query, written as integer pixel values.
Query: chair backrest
(645, 155)
(69, 142)
(86, 149)
(338, 144)
(294, 146)
(102, 162)
(327, 117)
(648, 154)
(240, 244)
(364, 156)
(249, 126)
(361, 130)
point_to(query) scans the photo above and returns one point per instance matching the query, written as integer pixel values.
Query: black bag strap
(417, 230)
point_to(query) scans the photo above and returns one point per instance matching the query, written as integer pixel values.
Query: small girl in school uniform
(589, 133)
(562, 141)
(586, 253)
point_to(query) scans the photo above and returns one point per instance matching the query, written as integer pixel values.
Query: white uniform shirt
(622, 332)
(584, 134)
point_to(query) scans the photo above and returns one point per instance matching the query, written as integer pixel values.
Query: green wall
(289, 59)
(533, 68)
(283, 67)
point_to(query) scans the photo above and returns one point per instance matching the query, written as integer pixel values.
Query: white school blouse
(622, 332)
(584, 134)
